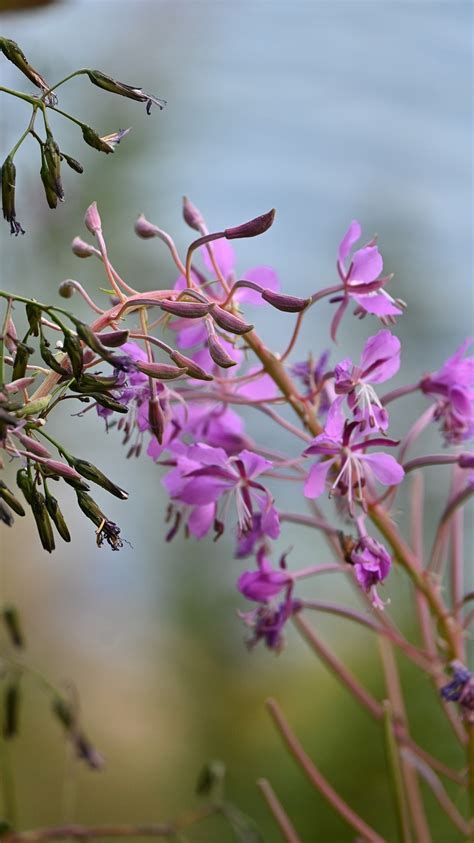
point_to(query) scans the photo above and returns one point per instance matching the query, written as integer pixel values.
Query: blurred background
(327, 111)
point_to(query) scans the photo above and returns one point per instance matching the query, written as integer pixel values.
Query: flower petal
(376, 303)
(381, 355)
(316, 480)
(367, 264)
(384, 467)
(350, 238)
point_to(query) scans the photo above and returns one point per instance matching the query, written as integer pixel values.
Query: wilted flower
(461, 687)
(265, 583)
(372, 565)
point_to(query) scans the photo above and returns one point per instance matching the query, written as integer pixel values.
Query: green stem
(19, 95)
(8, 784)
(62, 81)
(2, 341)
(68, 116)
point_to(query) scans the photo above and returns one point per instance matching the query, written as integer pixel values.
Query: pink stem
(283, 821)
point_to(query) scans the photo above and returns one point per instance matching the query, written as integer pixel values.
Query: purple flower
(380, 361)
(206, 475)
(461, 687)
(263, 527)
(353, 466)
(372, 565)
(267, 622)
(453, 387)
(361, 280)
(210, 424)
(265, 583)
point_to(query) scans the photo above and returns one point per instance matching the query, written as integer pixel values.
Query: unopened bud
(92, 219)
(185, 309)
(193, 370)
(73, 164)
(466, 460)
(10, 499)
(53, 161)
(113, 339)
(66, 289)
(161, 371)
(20, 362)
(82, 249)
(252, 228)
(61, 469)
(288, 304)
(219, 354)
(227, 321)
(32, 445)
(144, 229)
(156, 418)
(192, 215)
(57, 517)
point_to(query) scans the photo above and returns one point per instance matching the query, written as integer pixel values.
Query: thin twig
(281, 817)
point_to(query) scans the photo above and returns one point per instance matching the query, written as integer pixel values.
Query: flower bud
(193, 370)
(66, 289)
(108, 402)
(161, 371)
(185, 309)
(219, 354)
(113, 339)
(10, 499)
(8, 196)
(144, 229)
(253, 228)
(466, 460)
(156, 418)
(92, 218)
(12, 623)
(73, 164)
(90, 472)
(82, 249)
(61, 469)
(32, 445)
(288, 304)
(192, 215)
(227, 321)
(57, 517)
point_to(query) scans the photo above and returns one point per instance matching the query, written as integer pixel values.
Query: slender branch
(282, 819)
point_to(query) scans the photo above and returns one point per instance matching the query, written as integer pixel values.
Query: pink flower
(354, 466)
(265, 583)
(453, 387)
(372, 565)
(380, 361)
(361, 280)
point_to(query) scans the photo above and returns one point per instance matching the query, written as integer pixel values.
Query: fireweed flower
(372, 565)
(267, 622)
(380, 360)
(266, 582)
(461, 688)
(353, 465)
(261, 530)
(361, 280)
(216, 477)
(209, 424)
(453, 387)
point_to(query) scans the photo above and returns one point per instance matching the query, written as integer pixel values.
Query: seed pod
(43, 523)
(25, 484)
(161, 371)
(51, 360)
(93, 139)
(193, 370)
(48, 184)
(90, 472)
(288, 304)
(185, 309)
(33, 407)
(11, 620)
(11, 708)
(72, 347)
(107, 529)
(8, 196)
(57, 517)
(33, 314)
(52, 157)
(108, 402)
(228, 322)
(219, 354)
(253, 228)
(20, 362)
(108, 84)
(10, 499)
(156, 418)
(12, 51)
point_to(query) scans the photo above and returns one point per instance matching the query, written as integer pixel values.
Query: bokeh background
(327, 111)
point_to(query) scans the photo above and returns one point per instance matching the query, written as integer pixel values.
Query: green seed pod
(72, 347)
(109, 403)
(108, 84)
(20, 362)
(52, 157)
(43, 523)
(93, 139)
(73, 164)
(8, 196)
(12, 51)
(11, 708)
(94, 383)
(25, 484)
(50, 193)
(11, 620)
(34, 407)
(51, 360)
(10, 499)
(90, 472)
(57, 517)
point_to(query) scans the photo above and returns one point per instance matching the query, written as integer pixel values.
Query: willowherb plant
(183, 362)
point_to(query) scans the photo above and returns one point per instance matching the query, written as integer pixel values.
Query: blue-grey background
(327, 111)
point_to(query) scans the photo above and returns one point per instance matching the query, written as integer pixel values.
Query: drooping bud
(192, 215)
(108, 84)
(32, 445)
(185, 309)
(82, 249)
(113, 339)
(252, 228)
(108, 402)
(227, 321)
(20, 362)
(66, 289)
(466, 460)
(72, 347)
(161, 371)
(92, 473)
(193, 370)
(72, 163)
(53, 161)
(48, 184)
(92, 218)
(60, 469)
(57, 517)
(8, 196)
(288, 304)
(156, 418)
(144, 229)
(12, 623)
(219, 354)
(10, 499)
(12, 51)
